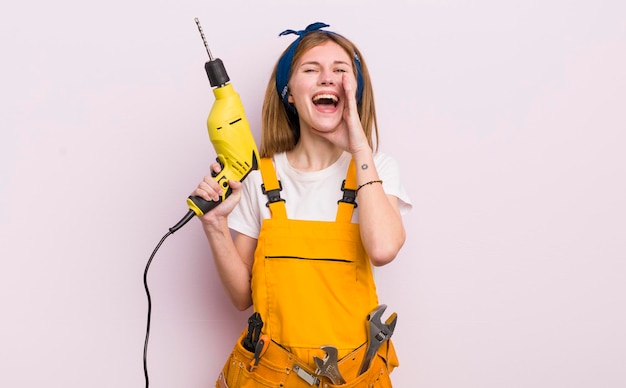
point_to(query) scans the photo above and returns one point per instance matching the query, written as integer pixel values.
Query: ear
(290, 97)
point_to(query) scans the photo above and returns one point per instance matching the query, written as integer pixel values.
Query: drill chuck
(216, 72)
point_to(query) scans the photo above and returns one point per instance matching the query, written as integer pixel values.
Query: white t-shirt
(309, 195)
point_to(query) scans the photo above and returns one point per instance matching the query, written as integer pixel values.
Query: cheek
(292, 87)
(289, 96)
(297, 91)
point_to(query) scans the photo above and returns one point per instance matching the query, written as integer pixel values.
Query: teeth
(331, 97)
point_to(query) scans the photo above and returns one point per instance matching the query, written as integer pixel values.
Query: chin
(329, 128)
(327, 124)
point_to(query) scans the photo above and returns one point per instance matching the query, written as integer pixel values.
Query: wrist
(373, 181)
(363, 155)
(212, 223)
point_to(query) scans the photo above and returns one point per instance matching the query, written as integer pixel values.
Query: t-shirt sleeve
(389, 172)
(246, 216)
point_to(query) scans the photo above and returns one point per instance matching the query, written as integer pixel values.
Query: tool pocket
(377, 376)
(236, 372)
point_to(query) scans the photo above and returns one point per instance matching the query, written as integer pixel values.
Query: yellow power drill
(230, 135)
(236, 150)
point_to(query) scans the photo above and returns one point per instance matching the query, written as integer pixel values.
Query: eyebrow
(319, 64)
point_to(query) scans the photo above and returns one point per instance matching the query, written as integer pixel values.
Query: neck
(310, 155)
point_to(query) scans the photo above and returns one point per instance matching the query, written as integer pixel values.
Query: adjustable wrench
(377, 335)
(328, 366)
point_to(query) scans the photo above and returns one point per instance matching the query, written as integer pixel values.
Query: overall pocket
(237, 374)
(312, 308)
(378, 374)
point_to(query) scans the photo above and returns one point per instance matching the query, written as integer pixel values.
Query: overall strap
(347, 204)
(271, 188)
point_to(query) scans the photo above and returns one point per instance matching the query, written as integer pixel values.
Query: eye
(341, 70)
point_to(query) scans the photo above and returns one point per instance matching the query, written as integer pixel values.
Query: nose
(327, 78)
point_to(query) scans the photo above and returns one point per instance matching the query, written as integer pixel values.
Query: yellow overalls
(312, 284)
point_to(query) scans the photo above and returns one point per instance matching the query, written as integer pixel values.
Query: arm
(233, 256)
(382, 230)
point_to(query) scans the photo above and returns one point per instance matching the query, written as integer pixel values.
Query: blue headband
(284, 63)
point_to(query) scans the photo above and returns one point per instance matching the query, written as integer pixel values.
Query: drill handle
(201, 206)
(198, 206)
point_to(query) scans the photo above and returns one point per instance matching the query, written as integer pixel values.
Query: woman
(308, 227)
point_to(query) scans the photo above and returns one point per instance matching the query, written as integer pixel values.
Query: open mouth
(326, 99)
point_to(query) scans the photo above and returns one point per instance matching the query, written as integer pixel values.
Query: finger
(235, 193)
(200, 192)
(215, 168)
(235, 184)
(210, 189)
(350, 109)
(229, 203)
(348, 88)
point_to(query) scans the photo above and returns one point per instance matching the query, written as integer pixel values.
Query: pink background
(508, 121)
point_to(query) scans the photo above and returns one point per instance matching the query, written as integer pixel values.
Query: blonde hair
(280, 127)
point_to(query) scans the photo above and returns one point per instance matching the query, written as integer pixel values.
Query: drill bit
(206, 45)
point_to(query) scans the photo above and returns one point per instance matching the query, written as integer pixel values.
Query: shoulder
(382, 157)
(389, 172)
(386, 164)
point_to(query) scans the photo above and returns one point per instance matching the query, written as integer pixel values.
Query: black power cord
(173, 229)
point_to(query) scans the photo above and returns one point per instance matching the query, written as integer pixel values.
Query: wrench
(328, 366)
(378, 334)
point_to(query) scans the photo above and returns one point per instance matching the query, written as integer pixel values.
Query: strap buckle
(349, 195)
(272, 195)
